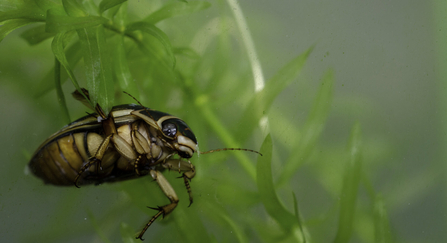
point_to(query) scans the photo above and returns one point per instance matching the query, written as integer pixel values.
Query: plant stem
(249, 45)
(258, 76)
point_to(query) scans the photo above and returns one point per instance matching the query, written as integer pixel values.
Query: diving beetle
(131, 141)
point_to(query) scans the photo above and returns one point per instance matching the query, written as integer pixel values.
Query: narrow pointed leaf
(57, 23)
(128, 234)
(176, 9)
(266, 189)
(60, 93)
(351, 180)
(48, 4)
(31, 13)
(57, 47)
(261, 102)
(187, 52)
(122, 71)
(11, 25)
(97, 227)
(240, 235)
(158, 34)
(73, 56)
(312, 129)
(382, 230)
(189, 224)
(36, 35)
(120, 17)
(73, 8)
(160, 61)
(98, 66)
(107, 4)
(298, 216)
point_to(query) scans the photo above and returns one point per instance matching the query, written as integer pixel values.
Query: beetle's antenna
(223, 149)
(134, 98)
(142, 106)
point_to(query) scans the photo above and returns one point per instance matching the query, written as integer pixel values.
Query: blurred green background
(378, 64)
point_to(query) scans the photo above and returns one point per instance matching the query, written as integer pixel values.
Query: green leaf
(189, 224)
(176, 9)
(240, 235)
(98, 66)
(97, 228)
(26, 11)
(157, 50)
(382, 230)
(187, 52)
(122, 71)
(261, 102)
(120, 17)
(61, 23)
(73, 8)
(127, 234)
(312, 129)
(298, 216)
(91, 7)
(158, 34)
(57, 47)
(6, 5)
(351, 179)
(209, 116)
(11, 25)
(266, 189)
(44, 5)
(60, 93)
(107, 4)
(36, 35)
(73, 56)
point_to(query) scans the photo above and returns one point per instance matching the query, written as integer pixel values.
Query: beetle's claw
(184, 176)
(76, 181)
(158, 208)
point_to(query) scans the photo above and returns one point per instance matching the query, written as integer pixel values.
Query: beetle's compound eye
(169, 129)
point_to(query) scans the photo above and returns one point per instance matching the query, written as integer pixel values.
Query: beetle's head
(177, 131)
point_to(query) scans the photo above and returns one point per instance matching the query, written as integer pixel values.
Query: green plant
(110, 46)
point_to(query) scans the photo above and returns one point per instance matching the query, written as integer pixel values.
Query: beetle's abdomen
(59, 161)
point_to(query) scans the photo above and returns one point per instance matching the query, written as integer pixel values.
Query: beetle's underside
(131, 141)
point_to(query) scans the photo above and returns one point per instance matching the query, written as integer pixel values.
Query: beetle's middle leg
(188, 170)
(121, 146)
(170, 194)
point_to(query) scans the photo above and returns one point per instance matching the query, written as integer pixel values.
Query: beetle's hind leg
(166, 209)
(95, 159)
(84, 168)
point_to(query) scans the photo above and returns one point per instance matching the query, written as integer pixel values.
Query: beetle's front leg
(188, 169)
(169, 192)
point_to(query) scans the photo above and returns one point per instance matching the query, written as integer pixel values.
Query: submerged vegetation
(194, 59)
